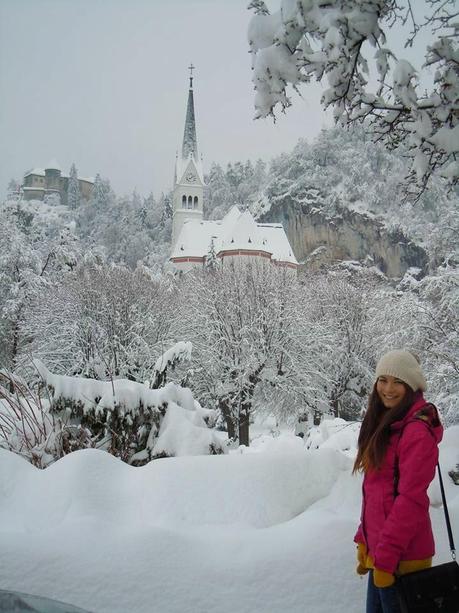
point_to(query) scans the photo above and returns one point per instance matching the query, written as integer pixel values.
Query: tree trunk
(224, 406)
(244, 424)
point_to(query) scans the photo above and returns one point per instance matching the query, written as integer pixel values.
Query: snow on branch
(334, 42)
(169, 359)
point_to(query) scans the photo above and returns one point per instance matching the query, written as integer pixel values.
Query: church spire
(190, 142)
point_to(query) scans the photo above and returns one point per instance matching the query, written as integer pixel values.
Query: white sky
(103, 83)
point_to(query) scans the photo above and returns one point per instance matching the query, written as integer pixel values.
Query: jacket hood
(427, 412)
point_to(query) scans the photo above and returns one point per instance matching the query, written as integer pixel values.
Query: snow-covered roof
(35, 171)
(235, 232)
(241, 232)
(53, 165)
(195, 238)
(40, 172)
(276, 237)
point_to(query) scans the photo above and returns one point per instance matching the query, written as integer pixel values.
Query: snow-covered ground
(268, 531)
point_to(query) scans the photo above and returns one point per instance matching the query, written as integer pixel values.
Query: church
(235, 238)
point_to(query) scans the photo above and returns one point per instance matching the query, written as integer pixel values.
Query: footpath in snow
(267, 531)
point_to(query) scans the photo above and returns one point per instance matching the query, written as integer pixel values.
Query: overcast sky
(103, 83)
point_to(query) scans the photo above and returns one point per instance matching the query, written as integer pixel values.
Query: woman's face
(392, 391)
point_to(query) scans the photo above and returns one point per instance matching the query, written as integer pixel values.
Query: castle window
(195, 202)
(190, 202)
(183, 202)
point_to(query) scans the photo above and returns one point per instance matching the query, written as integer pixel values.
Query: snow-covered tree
(212, 262)
(100, 196)
(345, 45)
(73, 192)
(343, 307)
(247, 338)
(101, 321)
(14, 190)
(32, 254)
(52, 199)
(437, 319)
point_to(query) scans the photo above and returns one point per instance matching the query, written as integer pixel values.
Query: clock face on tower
(190, 177)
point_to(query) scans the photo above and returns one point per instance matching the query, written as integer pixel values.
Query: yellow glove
(382, 579)
(361, 558)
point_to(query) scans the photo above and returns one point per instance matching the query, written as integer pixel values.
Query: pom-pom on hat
(402, 365)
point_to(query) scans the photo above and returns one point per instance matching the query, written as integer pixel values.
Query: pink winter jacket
(396, 528)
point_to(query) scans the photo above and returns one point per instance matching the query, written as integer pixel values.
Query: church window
(183, 202)
(190, 202)
(195, 202)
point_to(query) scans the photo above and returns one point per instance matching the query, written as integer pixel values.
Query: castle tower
(188, 194)
(53, 178)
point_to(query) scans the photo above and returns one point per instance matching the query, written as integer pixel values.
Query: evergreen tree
(100, 193)
(73, 193)
(14, 190)
(212, 262)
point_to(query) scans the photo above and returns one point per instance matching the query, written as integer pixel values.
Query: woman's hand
(361, 558)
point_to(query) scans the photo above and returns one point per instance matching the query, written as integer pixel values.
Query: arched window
(190, 202)
(183, 202)
(195, 202)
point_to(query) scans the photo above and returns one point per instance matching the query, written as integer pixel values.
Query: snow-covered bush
(30, 429)
(132, 421)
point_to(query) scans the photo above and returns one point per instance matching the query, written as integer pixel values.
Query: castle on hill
(41, 182)
(235, 238)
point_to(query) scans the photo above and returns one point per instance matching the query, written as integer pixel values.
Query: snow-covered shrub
(132, 421)
(30, 429)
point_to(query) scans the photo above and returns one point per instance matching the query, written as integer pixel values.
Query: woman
(398, 453)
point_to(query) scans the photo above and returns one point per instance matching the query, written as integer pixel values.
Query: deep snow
(269, 531)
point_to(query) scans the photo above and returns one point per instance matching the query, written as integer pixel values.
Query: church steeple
(190, 142)
(189, 178)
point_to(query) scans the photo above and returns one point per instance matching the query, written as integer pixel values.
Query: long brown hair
(375, 430)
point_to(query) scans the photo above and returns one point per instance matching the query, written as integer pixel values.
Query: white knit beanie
(402, 365)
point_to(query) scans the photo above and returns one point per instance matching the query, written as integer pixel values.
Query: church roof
(235, 232)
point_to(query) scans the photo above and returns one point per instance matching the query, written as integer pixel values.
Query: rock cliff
(318, 239)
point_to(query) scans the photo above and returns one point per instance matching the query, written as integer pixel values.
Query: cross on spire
(191, 68)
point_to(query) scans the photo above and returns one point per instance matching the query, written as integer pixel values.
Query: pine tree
(14, 190)
(99, 196)
(212, 262)
(73, 193)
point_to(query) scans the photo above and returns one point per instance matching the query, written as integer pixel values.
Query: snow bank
(253, 490)
(335, 434)
(245, 532)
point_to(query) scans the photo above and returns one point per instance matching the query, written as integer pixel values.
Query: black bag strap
(443, 497)
(445, 509)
